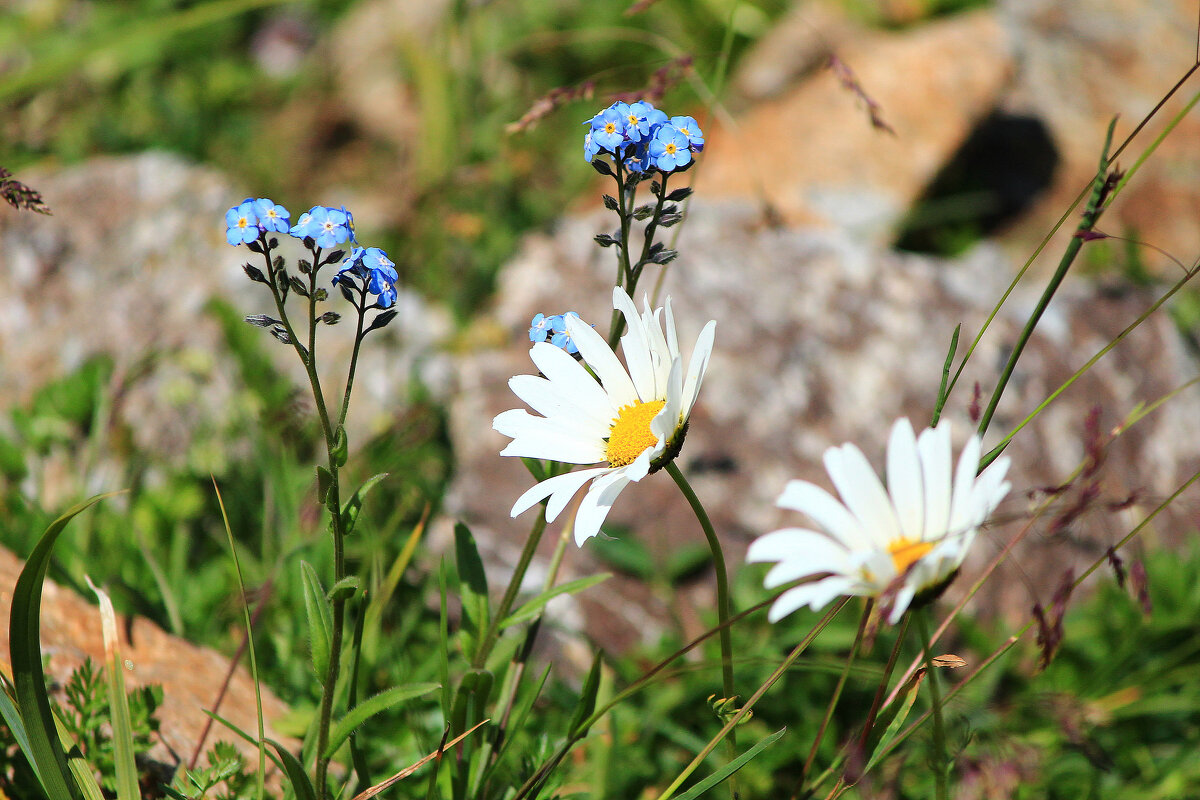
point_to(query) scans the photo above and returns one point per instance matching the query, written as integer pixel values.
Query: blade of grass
(260, 777)
(118, 703)
(25, 649)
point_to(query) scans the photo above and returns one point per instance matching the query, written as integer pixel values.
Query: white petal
(792, 544)
(667, 420)
(669, 322)
(572, 379)
(823, 509)
(817, 554)
(635, 347)
(597, 503)
(964, 515)
(904, 479)
(604, 361)
(934, 448)
(698, 365)
(549, 400)
(573, 382)
(862, 492)
(560, 489)
(539, 437)
(814, 595)
(660, 355)
(904, 598)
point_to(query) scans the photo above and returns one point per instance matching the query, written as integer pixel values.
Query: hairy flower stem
(625, 278)
(333, 503)
(940, 759)
(361, 308)
(718, 557)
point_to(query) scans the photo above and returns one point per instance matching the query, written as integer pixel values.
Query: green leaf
(324, 481)
(534, 606)
(354, 504)
(126, 776)
(730, 768)
(26, 659)
(320, 619)
(472, 580)
(470, 701)
(587, 699)
(344, 589)
(443, 652)
(341, 447)
(12, 718)
(372, 706)
(294, 770)
(894, 717)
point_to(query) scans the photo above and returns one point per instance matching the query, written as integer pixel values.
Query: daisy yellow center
(906, 552)
(630, 434)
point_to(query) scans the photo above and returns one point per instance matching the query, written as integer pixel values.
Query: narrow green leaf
(587, 698)
(320, 619)
(473, 582)
(534, 606)
(732, 767)
(294, 770)
(344, 589)
(26, 658)
(444, 643)
(354, 504)
(324, 481)
(372, 706)
(126, 776)
(12, 718)
(894, 716)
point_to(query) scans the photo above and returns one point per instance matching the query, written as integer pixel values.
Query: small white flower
(918, 530)
(633, 421)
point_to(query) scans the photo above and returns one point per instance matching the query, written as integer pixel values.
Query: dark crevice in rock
(997, 174)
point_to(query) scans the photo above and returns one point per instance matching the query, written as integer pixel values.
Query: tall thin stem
(718, 557)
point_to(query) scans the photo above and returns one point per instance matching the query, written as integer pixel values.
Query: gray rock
(125, 267)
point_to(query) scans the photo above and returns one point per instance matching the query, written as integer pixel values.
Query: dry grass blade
(409, 770)
(948, 661)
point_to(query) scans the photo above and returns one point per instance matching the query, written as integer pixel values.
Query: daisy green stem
(837, 692)
(941, 761)
(718, 557)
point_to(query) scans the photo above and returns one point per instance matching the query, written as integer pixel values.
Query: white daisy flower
(916, 532)
(631, 420)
